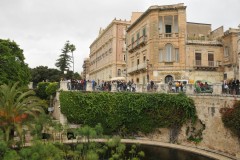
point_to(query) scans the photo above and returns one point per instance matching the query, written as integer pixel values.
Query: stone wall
(215, 136)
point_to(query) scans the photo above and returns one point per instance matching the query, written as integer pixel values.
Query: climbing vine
(126, 113)
(231, 118)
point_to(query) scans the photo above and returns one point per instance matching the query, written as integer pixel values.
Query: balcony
(141, 41)
(206, 65)
(137, 68)
(168, 35)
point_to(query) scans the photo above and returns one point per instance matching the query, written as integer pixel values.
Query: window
(160, 55)
(119, 72)
(144, 59)
(168, 20)
(144, 32)
(168, 28)
(198, 58)
(137, 80)
(225, 76)
(168, 50)
(138, 35)
(137, 61)
(210, 59)
(132, 40)
(176, 54)
(160, 27)
(124, 58)
(226, 51)
(168, 79)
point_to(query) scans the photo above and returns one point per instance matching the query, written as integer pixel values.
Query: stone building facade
(108, 52)
(160, 45)
(156, 41)
(163, 46)
(86, 65)
(230, 49)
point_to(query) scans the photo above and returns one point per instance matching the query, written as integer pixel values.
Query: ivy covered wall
(127, 113)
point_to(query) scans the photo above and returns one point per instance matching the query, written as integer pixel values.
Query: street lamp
(147, 72)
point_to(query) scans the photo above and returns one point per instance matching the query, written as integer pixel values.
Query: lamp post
(147, 72)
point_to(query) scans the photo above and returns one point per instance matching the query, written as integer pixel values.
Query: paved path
(211, 154)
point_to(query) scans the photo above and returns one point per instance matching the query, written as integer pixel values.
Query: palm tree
(17, 105)
(72, 48)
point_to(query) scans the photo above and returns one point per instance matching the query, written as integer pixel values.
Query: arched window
(168, 79)
(169, 52)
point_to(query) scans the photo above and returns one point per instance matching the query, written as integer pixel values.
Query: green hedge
(127, 112)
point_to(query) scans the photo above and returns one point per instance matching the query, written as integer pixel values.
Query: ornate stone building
(156, 44)
(230, 52)
(163, 46)
(86, 67)
(108, 52)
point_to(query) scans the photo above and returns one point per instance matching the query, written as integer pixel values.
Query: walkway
(211, 154)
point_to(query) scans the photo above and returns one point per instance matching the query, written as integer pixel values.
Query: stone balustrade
(160, 88)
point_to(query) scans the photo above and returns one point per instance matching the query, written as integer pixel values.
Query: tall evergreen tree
(64, 61)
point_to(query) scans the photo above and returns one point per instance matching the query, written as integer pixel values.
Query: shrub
(231, 118)
(52, 88)
(41, 90)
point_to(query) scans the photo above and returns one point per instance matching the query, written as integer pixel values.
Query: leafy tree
(43, 73)
(12, 65)
(16, 107)
(65, 59)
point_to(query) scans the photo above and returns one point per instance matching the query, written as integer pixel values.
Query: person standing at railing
(181, 86)
(225, 87)
(234, 84)
(177, 84)
(237, 87)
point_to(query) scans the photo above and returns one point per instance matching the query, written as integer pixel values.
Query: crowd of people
(230, 86)
(121, 85)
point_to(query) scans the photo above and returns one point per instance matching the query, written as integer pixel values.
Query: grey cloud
(42, 27)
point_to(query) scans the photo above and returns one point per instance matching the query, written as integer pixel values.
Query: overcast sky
(41, 27)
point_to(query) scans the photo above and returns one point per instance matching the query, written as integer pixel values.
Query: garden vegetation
(127, 113)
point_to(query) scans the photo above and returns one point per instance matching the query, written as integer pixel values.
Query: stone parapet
(162, 88)
(217, 88)
(64, 85)
(89, 86)
(114, 87)
(190, 89)
(139, 88)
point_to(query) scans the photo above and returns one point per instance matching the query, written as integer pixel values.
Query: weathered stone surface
(215, 135)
